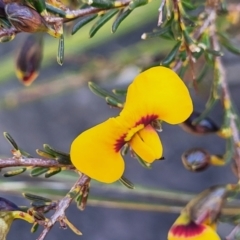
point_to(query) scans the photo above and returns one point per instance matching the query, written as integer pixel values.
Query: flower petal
(95, 152)
(184, 229)
(157, 92)
(146, 144)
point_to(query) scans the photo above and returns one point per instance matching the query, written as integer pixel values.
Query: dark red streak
(190, 230)
(145, 120)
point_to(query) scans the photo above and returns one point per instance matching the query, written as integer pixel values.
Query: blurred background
(58, 106)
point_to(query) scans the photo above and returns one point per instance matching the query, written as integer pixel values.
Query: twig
(63, 204)
(160, 10)
(90, 10)
(74, 14)
(226, 98)
(227, 102)
(233, 233)
(34, 162)
(211, 16)
(134, 206)
(226, 211)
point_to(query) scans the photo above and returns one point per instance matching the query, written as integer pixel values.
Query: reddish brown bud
(29, 59)
(24, 18)
(205, 126)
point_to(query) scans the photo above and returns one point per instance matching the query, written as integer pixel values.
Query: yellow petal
(23, 216)
(157, 93)
(96, 152)
(184, 229)
(146, 144)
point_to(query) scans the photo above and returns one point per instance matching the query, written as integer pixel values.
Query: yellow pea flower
(185, 229)
(198, 220)
(156, 94)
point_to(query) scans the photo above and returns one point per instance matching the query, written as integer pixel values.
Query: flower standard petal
(96, 152)
(146, 144)
(157, 92)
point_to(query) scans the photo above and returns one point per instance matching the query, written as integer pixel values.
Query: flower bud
(29, 59)
(207, 205)
(26, 19)
(196, 159)
(205, 126)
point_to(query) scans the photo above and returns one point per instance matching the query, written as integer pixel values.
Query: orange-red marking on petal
(185, 229)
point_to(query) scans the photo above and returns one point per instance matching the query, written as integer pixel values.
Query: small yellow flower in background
(185, 229)
(198, 220)
(156, 94)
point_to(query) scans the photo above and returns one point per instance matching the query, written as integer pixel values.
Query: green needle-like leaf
(171, 56)
(52, 172)
(82, 22)
(121, 16)
(55, 10)
(10, 140)
(33, 197)
(14, 172)
(60, 55)
(39, 5)
(37, 171)
(137, 3)
(103, 19)
(156, 33)
(126, 182)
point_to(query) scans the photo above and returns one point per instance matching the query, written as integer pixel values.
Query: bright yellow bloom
(156, 94)
(185, 229)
